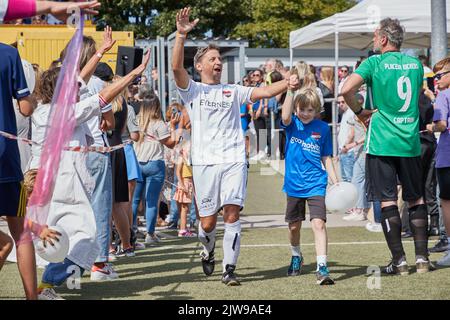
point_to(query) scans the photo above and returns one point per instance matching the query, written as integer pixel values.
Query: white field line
(270, 245)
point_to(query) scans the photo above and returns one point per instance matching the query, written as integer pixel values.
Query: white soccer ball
(55, 253)
(341, 197)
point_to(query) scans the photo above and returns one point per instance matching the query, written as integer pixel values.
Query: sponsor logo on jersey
(307, 146)
(226, 93)
(316, 135)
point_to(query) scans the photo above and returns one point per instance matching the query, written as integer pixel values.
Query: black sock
(418, 221)
(392, 228)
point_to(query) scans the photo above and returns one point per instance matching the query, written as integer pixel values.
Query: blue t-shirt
(244, 117)
(13, 85)
(306, 144)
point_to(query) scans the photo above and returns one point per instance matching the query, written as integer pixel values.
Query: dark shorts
(119, 176)
(296, 209)
(13, 200)
(443, 177)
(384, 173)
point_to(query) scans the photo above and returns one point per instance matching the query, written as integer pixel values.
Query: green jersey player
(393, 145)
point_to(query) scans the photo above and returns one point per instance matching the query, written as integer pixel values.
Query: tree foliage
(271, 21)
(265, 23)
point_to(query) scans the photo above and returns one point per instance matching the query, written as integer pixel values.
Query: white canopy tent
(354, 29)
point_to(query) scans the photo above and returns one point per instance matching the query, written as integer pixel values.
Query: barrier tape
(74, 149)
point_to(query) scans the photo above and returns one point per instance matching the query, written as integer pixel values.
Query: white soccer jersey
(214, 110)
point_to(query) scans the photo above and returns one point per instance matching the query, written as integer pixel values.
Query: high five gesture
(183, 24)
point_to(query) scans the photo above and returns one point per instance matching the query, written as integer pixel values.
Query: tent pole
(291, 57)
(336, 87)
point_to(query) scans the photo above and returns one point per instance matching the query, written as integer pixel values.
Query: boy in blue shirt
(308, 151)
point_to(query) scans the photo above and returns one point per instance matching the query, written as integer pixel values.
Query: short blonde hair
(306, 98)
(443, 64)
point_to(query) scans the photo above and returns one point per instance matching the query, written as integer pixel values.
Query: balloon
(55, 253)
(341, 197)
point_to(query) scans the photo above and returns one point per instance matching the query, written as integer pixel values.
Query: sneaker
(445, 260)
(424, 266)
(172, 225)
(112, 255)
(49, 294)
(374, 227)
(208, 262)
(139, 246)
(140, 235)
(296, 266)
(152, 239)
(323, 276)
(401, 269)
(407, 234)
(355, 216)
(440, 246)
(125, 253)
(186, 234)
(103, 274)
(228, 277)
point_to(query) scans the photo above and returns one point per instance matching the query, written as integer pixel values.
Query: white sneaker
(49, 294)
(139, 246)
(374, 227)
(445, 260)
(103, 274)
(152, 240)
(355, 217)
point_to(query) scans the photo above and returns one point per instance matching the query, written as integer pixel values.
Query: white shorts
(219, 185)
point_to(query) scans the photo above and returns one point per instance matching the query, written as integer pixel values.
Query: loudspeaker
(128, 58)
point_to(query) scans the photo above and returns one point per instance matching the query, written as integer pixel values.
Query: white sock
(208, 239)
(295, 250)
(231, 243)
(321, 260)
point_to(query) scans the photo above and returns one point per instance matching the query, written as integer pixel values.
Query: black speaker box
(128, 58)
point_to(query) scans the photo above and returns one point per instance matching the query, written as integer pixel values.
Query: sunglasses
(343, 70)
(440, 75)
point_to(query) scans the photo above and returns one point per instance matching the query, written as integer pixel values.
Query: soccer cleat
(424, 266)
(323, 276)
(440, 246)
(296, 266)
(125, 253)
(208, 262)
(49, 294)
(445, 260)
(228, 277)
(401, 269)
(103, 274)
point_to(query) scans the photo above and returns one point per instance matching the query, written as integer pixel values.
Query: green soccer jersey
(394, 81)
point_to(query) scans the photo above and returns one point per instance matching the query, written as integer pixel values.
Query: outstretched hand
(108, 41)
(183, 24)
(63, 10)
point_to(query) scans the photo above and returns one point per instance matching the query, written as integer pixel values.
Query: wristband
(180, 35)
(98, 54)
(290, 93)
(359, 111)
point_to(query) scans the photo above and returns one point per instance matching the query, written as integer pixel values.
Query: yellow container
(42, 44)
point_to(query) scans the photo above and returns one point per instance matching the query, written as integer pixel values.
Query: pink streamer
(59, 132)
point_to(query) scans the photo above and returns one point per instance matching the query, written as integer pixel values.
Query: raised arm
(110, 92)
(270, 91)
(107, 44)
(62, 10)
(288, 105)
(183, 27)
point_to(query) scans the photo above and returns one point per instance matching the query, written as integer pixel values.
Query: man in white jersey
(218, 147)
